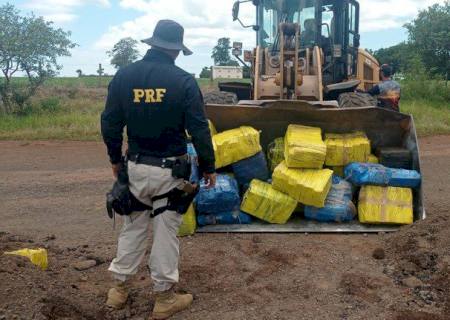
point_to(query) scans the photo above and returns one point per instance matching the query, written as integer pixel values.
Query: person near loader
(157, 102)
(308, 35)
(387, 91)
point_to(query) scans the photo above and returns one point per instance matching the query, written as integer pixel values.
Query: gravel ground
(52, 196)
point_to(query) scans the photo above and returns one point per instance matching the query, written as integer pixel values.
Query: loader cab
(332, 25)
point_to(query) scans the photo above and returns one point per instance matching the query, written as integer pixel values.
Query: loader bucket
(384, 128)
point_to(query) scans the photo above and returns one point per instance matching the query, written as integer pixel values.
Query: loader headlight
(274, 61)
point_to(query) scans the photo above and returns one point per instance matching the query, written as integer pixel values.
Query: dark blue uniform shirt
(157, 102)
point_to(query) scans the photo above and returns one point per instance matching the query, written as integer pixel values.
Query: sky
(96, 25)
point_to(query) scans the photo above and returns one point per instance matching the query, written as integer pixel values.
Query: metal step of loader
(298, 225)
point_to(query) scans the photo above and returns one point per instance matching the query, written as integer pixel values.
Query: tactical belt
(178, 200)
(157, 212)
(154, 161)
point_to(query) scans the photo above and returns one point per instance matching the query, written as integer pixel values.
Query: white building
(227, 72)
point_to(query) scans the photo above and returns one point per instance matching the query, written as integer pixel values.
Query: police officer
(157, 102)
(387, 91)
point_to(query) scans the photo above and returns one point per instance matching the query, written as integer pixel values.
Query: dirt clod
(84, 265)
(50, 237)
(378, 254)
(412, 282)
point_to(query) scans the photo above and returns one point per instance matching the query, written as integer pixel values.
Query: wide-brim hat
(168, 34)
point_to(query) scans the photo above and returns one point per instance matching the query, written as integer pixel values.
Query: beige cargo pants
(145, 183)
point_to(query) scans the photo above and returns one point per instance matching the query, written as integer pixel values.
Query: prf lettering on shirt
(149, 95)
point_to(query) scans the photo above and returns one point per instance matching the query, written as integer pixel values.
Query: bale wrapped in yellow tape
(373, 159)
(189, 224)
(385, 205)
(307, 186)
(234, 145)
(304, 147)
(264, 202)
(37, 256)
(343, 149)
(275, 153)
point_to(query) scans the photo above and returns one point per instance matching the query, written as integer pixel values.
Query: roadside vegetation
(429, 102)
(39, 106)
(69, 109)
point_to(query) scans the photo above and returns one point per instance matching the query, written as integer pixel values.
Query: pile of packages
(321, 176)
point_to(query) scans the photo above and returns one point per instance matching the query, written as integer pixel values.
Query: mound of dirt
(418, 258)
(60, 292)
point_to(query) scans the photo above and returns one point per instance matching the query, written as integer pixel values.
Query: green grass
(102, 82)
(430, 117)
(67, 126)
(89, 82)
(72, 119)
(70, 82)
(69, 109)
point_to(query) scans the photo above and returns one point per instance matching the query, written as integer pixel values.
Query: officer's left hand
(115, 169)
(210, 180)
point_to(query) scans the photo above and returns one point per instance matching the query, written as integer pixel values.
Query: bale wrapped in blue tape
(192, 154)
(191, 150)
(362, 174)
(224, 197)
(251, 168)
(237, 217)
(338, 204)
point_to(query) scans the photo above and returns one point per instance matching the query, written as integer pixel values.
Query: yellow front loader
(308, 68)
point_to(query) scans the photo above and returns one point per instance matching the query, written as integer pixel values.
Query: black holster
(181, 169)
(120, 200)
(178, 200)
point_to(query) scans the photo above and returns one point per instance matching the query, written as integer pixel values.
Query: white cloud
(204, 21)
(377, 15)
(60, 11)
(207, 20)
(87, 60)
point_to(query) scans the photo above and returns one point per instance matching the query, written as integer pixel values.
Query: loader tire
(220, 97)
(356, 100)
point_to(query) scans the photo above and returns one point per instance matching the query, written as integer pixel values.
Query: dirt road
(52, 195)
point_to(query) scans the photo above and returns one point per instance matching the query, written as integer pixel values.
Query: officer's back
(153, 93)
(157, 101)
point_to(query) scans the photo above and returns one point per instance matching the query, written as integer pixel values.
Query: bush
(420, 84)
(26, 109)
(428, 89)
(48, 105)
(51, 104)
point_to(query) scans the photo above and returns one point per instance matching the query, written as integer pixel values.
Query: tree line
(125, 52)
(428, 47)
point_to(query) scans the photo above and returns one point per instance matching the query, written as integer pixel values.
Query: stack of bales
(307, 170)
(386, 194)
(299, 178)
